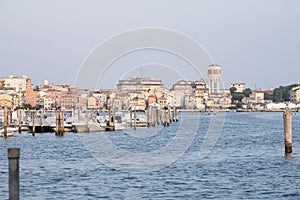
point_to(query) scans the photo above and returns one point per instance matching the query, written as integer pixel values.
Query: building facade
(139, 84)
(295, 94)
(214, 74)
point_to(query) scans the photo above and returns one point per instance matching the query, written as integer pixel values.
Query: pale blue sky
(255, 41)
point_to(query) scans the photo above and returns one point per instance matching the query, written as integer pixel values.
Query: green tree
(277, 94)
(268, 96)
(232, 90)
(238, 96)
(247, 92)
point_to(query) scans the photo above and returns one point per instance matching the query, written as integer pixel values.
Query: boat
(141, 117)
(10, 131)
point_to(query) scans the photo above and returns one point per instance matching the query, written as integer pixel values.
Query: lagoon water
(247, 162)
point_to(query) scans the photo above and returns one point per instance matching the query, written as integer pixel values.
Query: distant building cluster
(202, 94)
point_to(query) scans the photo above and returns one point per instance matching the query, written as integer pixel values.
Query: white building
(49, 103)
(139, 84)
(17, 83)
(240, 87)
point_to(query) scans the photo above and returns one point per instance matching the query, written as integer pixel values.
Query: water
(247, 162)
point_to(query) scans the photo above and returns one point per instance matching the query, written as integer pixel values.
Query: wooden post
(130, 115)
(57, 123)
(61, 123)
(33, 122)
(163, 117)
(78, 113)
(176, 115)
(157, 115)
(153, 116)
(87, 120)
(113, 119)
(5, 122)
(20, 120)
(42, 121)
(14, 186)
(10, 117)
(134, 120)
(287, 118)
(169, 116)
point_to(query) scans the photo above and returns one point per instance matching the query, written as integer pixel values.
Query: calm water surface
(247, 162)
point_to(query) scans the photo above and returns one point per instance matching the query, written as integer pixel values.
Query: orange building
(30, 94)
(151, 99)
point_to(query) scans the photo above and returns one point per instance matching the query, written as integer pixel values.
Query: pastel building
(295, 94)
(214, 74)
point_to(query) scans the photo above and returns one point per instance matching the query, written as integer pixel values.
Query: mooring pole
(33, 122)
(5, 122)
(134, 120)
(287, 119)
(14, 186)
(20, 120)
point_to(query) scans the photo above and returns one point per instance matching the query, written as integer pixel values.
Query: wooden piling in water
(169, 115)
(42, 121)
(157, 116)
(134, 120)
(14, 185)
(20, 120)
(57, 122)
(130, 117)
(61, 123)
(287, 119)
(163, 117)
(176, 115)
(5, 122)
(153, 116)
(33, 122)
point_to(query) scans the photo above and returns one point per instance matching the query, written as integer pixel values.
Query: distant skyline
(254, 41)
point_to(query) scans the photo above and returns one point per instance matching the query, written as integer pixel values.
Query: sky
(254, 41)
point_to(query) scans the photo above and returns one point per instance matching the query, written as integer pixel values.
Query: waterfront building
(295, 94)
(258, 96)
(214, 74)
(138, 84)
(225, 102)
(181, 89)
(19, 84)
(92, 103)
(162, 101)
(6, 101)
(240, 87)
(30, 94)
(48, 102)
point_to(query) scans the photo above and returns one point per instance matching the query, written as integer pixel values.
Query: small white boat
(10, 131)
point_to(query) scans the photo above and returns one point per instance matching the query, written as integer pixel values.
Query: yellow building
(6, 100)
(295, 94)
(92, 102)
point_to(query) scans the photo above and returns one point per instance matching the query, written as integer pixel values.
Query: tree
(268, 96)
(232, 90)
(238, 96)
(247, 92)
(277, 94)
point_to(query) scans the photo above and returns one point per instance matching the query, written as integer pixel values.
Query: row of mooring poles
(164, 116)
